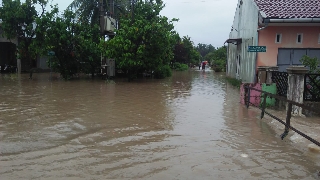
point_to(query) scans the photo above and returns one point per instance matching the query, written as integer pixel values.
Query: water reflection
(40, 110)
(267, 155)
(189, 126)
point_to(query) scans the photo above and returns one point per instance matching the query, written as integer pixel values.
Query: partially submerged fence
(311, 87)
(281, 81)
(290, 105)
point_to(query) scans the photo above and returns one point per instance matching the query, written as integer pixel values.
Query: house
(7, 50)
(288, 29)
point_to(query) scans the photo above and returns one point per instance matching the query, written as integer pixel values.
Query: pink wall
(254, 95)
(267, 38)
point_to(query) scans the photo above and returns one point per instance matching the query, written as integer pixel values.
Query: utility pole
(107, 64)
(111, 7)
(131, 2)
(111, 62)
(132, 9)
(110, 15)
(102, 13)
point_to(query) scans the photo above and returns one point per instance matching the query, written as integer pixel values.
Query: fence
(311, 87)
(281, 81)
(290, 103)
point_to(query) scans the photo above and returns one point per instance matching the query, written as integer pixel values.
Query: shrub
(162, 72)
(312, 63)
(234, 82)
(219, 65)
(180, 67)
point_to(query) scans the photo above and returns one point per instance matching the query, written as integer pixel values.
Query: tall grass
(233, 81)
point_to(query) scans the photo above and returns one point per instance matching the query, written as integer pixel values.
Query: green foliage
(162, 72)
(314, 68)
(180, 67)
(21, 21)
(87, 11)
(194, 56)
(87, 48)
(144, 41)
(185, 52)
(204, 49)
(218, 59)
(312, 63)
(61, 40)
(219, 65)
(76, 46)
(235, 82)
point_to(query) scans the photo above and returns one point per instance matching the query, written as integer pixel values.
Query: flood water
(189, 126)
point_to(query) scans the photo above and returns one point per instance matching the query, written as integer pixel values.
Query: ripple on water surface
(188, 126)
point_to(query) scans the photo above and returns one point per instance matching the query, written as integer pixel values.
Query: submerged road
(189, 126)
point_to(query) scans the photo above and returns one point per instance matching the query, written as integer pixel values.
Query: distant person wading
(203, 65)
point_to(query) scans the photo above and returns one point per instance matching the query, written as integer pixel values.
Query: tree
(185, 52)
(21, 21)
(89, 10)
(204, 49)
(181, 51)
(194, 56)
(218, 58)
(87, 49)
(76, 46)
(61, 39)
(144, 42)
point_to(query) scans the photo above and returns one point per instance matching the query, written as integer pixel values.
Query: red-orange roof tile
(290, 8)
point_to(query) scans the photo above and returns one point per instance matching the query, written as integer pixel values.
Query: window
(319, 39)
(278, 38)
(299, 38)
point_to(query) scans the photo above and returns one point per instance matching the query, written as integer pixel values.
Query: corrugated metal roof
(236, 41)
(290, 8)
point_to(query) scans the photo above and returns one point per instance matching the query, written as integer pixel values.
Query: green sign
(257, 48)
(51, 53)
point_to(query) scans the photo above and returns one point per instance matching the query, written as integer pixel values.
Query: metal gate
(289, 56)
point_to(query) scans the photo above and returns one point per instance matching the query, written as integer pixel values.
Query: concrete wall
(267, 38)
(231, 60)
(255, 96)
(245, 26)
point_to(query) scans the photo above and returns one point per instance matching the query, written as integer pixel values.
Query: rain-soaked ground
(189, 126)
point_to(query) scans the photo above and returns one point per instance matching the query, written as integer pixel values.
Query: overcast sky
(204, 21)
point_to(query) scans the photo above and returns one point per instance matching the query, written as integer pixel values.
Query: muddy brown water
(189, 126)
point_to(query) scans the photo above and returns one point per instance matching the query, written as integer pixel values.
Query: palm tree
(89, 10)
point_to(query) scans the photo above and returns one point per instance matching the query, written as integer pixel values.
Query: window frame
(301, 38)
(280, 38)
